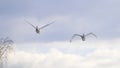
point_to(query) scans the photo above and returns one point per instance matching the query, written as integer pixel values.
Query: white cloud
(105, 54)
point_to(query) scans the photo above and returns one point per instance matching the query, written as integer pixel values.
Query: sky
(51, 48)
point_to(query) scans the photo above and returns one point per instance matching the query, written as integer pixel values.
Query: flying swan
(37, 28)
(83, 37)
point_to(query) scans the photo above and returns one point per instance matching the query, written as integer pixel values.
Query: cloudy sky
(51, 48)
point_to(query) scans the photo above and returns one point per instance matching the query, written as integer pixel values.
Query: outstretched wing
(74, 35)
(30, 24)
(46, 25)
(91, 34)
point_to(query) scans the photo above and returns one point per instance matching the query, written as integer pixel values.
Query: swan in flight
(83, 37)
(38, 29)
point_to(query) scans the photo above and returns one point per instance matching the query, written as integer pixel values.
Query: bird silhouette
(37, 28)
(83, 37)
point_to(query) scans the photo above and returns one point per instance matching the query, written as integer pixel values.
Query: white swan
(37, 29)
(83, 37)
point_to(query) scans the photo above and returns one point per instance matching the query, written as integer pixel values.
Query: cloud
(104, 54)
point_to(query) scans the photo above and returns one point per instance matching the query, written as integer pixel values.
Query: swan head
(83, 37)
(37, 29)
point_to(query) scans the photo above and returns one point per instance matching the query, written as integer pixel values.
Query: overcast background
(51, 48)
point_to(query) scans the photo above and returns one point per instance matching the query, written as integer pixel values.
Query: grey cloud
(99, 17)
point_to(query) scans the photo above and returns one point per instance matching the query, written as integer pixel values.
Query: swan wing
(30, 24)
(74, 35)
(46, 25)
(91, 34)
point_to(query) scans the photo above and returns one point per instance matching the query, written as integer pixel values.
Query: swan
(37, 28)
(83, 37)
